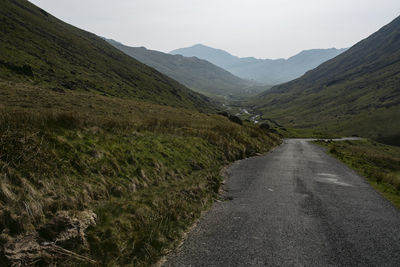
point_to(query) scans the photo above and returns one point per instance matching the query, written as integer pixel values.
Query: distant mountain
(358, 92)
(267, 71)
(218, 57)
(38, 48)
(198, 74)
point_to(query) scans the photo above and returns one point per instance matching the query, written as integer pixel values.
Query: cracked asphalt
(295, 206)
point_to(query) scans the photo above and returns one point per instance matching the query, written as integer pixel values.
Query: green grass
(304, 133)
(379, 163)
(39, 49)
(146, 170)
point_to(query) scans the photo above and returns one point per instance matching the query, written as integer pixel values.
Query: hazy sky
(259, 28)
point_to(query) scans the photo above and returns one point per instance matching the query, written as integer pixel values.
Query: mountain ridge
(45, 51)
(197, 74)
(267, 71)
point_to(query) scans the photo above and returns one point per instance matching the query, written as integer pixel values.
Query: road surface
(295, 206)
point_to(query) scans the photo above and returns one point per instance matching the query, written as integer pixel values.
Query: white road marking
(329, 179)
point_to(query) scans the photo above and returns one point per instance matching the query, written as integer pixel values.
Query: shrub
(235, 119)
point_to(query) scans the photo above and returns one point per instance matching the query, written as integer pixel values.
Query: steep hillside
(357, 92)
(265, 71)
(92, 180)
(92, 173)
(42, 50)
(197, 74)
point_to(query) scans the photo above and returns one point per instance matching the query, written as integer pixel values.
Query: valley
(264, 71)
(110, 153)
(356, 93)
(197, 74)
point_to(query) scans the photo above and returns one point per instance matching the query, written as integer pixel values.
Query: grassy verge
(304, 133)
(379, 163)
(146, 171)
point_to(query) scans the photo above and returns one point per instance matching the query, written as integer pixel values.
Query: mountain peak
(200, 45)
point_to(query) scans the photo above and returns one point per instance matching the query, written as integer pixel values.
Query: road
(295, 206)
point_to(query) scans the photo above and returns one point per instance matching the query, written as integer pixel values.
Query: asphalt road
(295, 206)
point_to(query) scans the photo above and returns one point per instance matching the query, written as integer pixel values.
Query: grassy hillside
(97, 167)
(197, 74)
(379, 163)
(140, 173)
(354, 93)
(38, 48)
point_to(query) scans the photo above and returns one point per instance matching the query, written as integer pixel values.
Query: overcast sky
(259, 28)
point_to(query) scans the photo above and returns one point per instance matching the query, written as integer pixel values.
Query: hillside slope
(43, 50)
(267, 71)
(91, 172)
(357, 92)
(197, 74)
(91, 180)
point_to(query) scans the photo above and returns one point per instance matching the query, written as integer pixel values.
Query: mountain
(39, 48)
(267, 71)
(198, 74)
(358, 92)
(218, 57)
